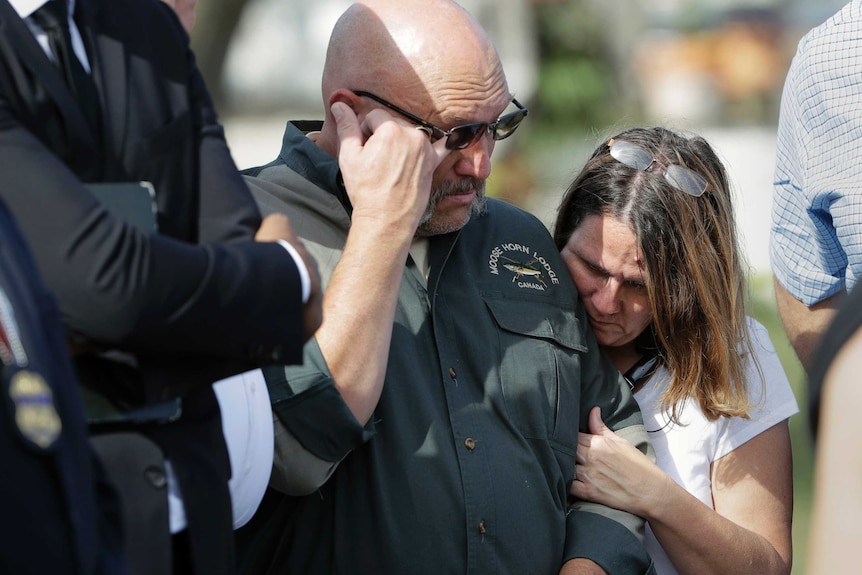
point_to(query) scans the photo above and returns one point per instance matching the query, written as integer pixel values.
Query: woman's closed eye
(599, 271)
(635, 284)
(596, 270)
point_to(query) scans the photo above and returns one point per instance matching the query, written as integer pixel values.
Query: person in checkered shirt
(816, 239)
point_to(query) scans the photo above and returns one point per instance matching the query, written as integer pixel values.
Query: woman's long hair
(694, 276)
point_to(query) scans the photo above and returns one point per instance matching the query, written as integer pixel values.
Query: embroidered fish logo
(521, 269)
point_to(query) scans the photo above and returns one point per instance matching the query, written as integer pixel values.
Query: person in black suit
(58, 516)
(152, 319)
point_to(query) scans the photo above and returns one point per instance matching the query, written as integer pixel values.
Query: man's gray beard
(429, 228)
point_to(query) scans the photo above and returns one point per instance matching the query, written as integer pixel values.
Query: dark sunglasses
(680, 177)
(460, 137)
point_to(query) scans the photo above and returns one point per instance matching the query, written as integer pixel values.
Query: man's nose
(475, 160)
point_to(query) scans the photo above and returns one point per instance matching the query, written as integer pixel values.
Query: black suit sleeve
(121, 287)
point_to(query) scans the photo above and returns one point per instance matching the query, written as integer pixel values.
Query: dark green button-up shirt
(465, 465)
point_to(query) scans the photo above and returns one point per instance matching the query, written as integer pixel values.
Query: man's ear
(348, 97)
(328, 138)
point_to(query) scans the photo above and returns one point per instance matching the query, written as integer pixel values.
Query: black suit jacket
(197, 301)
(57, 515)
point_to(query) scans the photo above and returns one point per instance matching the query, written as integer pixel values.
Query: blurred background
(586, 69)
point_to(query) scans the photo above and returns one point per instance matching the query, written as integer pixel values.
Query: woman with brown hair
(647, 233)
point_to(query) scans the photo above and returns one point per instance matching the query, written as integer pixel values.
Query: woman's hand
(747, 532)
(611, 471)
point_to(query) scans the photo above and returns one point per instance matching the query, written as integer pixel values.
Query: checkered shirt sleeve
(816, 237)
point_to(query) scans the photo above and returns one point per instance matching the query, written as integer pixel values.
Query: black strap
(642, 370)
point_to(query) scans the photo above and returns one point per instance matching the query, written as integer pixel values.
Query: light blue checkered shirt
(816, 239)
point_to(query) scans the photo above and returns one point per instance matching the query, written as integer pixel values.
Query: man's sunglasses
(460, 137)
(680, 177)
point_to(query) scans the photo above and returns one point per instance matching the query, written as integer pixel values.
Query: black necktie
(53, 17)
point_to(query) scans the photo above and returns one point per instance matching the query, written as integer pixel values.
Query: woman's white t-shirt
(686, 452)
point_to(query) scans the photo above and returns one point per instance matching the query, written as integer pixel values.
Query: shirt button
(276, 354)
(452, 372)
(155, 476)
(470, 443)
(482, 527)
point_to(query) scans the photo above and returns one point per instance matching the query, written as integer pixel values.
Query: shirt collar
(25, 8)
(312, 162)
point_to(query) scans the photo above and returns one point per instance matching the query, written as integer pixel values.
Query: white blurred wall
(276, 60)
(277, 55)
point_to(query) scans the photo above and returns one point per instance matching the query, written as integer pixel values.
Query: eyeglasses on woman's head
(679, 177)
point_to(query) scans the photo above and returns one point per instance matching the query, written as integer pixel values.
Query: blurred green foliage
(577, 86)
(574, 93)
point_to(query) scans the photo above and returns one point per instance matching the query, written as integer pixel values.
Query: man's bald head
(408, 46)
(431, 59)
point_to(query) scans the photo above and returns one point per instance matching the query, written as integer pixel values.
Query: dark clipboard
(135, 202)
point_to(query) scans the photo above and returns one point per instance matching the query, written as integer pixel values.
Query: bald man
(437, 411)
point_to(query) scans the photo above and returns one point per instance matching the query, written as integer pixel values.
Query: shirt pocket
(541, 344)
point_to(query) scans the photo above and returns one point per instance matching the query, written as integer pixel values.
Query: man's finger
(349, 131)
(440, 151)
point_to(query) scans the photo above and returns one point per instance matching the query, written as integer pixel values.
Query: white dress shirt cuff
(303, 271)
